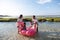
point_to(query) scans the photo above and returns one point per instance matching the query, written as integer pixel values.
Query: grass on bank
(50, 19)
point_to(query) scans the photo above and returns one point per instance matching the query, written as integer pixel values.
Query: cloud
(43, 1)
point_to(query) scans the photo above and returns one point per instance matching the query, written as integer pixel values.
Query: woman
(20, 23)
(34, 21)
(20, 19)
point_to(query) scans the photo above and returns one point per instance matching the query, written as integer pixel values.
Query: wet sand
(44, 33)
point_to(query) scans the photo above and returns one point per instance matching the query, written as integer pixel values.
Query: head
(33, 16)
(21, 16)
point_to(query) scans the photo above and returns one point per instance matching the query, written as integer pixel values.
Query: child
(34, 21)
(20, 24)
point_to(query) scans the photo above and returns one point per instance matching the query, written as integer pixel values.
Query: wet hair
(21, 16)
(34, 16)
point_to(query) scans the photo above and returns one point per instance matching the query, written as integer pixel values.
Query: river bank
(40, 19)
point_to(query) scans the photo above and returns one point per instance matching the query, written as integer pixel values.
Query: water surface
(47, 31)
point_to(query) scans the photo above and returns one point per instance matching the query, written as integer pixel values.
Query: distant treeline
(50, 19)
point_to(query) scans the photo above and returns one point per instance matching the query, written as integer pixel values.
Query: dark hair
(34, 16)
(24, 26)
(21, 16)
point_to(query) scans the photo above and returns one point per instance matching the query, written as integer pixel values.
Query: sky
(29, 7)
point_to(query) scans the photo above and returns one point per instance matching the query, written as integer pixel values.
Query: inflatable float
(30, 31)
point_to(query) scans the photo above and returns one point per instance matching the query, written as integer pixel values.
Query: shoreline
(40, 19)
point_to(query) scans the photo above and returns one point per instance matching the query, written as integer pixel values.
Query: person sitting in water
(20, 19)
(21, 25)
(34, 21)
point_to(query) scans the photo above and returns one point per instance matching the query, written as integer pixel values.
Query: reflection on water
(7, 29)
(47, 30)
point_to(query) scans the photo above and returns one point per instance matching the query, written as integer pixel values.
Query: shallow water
(47, 31)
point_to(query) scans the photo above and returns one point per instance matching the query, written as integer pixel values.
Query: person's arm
(17, 22)
(31, 22)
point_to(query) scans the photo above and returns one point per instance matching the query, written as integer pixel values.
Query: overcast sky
(29, 7)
